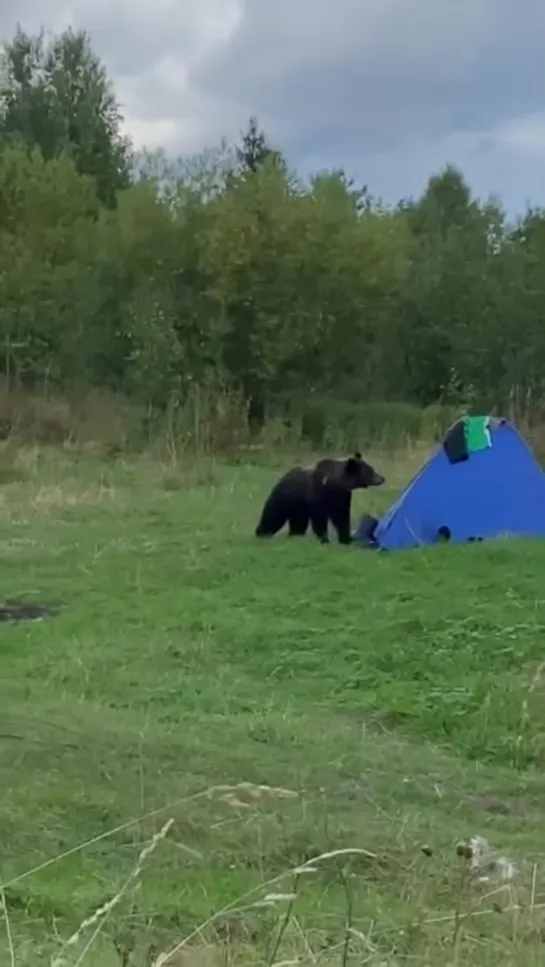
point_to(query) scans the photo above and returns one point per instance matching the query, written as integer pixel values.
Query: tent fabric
(498, 491)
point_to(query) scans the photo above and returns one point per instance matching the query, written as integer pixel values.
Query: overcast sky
(389, 89)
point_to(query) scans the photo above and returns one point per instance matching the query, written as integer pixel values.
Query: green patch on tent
(477, 433)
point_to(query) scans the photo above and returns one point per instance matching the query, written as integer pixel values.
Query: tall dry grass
(213, 422)
(490, 906)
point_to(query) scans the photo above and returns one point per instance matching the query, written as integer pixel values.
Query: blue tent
(491, 488)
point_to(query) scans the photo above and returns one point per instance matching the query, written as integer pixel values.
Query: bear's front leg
(340, 518)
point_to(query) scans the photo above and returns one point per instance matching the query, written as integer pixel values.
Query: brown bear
(316, 496)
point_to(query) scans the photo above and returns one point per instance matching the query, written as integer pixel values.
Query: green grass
(373, 702)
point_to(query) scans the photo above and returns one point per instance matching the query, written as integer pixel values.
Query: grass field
(276, 701)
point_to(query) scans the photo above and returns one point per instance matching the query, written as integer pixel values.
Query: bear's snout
(377, 480)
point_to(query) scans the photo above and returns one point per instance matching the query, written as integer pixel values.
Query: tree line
(147, 277)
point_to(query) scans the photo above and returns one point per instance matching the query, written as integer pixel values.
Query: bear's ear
(357, 455)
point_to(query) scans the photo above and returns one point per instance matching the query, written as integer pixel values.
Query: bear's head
(359, 475)
(352, 474)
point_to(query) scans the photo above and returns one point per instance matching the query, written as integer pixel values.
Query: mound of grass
(277, 701)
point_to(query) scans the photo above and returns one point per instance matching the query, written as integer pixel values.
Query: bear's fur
(317, 495)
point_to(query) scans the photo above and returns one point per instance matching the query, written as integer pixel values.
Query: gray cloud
(391, 89)
(382, 71)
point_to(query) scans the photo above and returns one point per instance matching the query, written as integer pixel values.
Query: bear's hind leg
(273, 517)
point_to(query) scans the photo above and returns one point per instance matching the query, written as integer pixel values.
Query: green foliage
(254, 151)
(56, 96)
(339, 424)
(227, 268)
